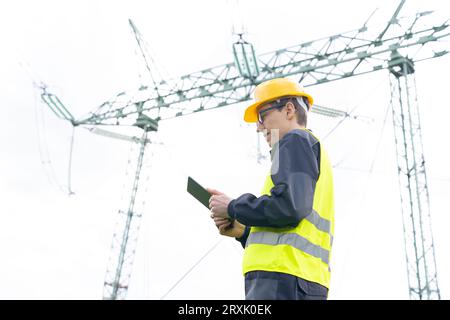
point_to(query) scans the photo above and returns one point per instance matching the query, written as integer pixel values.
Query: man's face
(275, 122)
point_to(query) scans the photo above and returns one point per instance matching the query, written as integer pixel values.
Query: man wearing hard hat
(287, 232)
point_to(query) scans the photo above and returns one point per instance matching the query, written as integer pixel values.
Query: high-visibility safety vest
(303, 251)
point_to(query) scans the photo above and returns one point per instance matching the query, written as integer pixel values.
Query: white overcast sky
(56, 246)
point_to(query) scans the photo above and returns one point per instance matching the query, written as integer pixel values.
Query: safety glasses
(261, 113)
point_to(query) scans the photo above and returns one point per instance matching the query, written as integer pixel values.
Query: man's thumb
(214, 191)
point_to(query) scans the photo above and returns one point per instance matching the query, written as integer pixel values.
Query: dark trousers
(264, 285)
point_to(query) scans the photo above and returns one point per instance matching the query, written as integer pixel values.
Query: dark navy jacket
(294, 174)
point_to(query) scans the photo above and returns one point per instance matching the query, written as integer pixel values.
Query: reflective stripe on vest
(292, 239)
(320, 223)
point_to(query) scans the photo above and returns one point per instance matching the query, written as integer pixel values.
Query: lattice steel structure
(420, 255)
(125, 237)
(329, 59)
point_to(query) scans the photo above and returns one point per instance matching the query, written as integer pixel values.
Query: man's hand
(225, 227)
(218, 204)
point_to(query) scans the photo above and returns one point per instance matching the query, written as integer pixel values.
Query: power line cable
(192, 268)
(379, 140)
(348, 115)
(366, 185)
(43, 150)
(44, 153)
(444, 179)
(69, 173)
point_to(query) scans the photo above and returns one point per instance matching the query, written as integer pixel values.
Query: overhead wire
(69, 173)
(41, 130)
(379, 140)
(44, 153)
(165, 147)
(191, 268)
(345, 156)
(364, 192)
(348, 115)
(442, 179)
(130, 164)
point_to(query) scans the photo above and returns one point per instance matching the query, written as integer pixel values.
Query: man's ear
(290, 108)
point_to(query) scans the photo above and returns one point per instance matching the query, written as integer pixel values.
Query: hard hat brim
(251, 113)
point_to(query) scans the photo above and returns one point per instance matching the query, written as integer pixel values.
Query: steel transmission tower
(328, 59)
(420, 255)
(121, 258)
(125, 237)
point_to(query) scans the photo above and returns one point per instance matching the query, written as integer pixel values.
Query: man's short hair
(301, 106)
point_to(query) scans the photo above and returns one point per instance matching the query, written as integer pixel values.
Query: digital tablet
(198, 192)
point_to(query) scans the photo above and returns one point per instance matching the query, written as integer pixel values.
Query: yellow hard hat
(272, 90)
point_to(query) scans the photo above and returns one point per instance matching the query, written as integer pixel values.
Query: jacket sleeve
(294, 173)
(243, 238)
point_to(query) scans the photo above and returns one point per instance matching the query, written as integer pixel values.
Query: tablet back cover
(198, 192)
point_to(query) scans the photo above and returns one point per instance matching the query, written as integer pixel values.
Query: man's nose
(259, 126)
